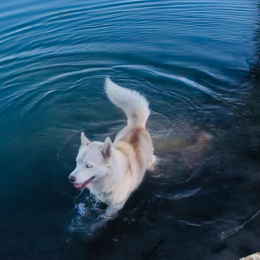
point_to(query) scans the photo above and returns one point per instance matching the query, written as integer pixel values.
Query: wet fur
(118, 167)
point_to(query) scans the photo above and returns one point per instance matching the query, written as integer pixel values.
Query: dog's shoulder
(132, 142)
(132, 135)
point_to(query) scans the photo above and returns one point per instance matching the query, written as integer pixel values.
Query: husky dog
(112, 171)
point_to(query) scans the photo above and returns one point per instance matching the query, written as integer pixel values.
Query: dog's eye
(89, 166)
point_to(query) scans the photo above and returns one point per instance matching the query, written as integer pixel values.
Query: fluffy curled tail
(131, 102)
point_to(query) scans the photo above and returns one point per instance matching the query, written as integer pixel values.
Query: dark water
(197, 64)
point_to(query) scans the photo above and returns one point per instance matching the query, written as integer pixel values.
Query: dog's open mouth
(80, 186)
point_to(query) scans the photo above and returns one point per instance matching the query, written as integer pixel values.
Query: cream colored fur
(118, 167)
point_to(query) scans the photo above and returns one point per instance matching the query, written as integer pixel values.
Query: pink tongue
(77, 185)
(85, 184)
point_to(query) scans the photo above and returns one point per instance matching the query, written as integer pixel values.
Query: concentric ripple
(190, 59)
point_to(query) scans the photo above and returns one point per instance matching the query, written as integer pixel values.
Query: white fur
(131, 102)
(118, 167)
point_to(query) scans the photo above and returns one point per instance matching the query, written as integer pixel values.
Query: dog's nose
(72, 179)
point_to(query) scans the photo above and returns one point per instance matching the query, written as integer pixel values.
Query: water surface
(197, 64)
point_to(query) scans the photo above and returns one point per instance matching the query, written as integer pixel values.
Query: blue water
(197, 62)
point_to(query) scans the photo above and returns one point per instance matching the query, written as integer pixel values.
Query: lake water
(197, 62)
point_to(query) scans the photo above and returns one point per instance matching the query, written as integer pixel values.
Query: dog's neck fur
(107, 188)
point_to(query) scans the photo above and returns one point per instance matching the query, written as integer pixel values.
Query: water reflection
(190, 59)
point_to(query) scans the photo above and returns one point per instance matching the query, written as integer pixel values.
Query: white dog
(112, 171)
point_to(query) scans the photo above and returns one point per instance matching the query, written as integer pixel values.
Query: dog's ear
(84, 139)
(106, 148)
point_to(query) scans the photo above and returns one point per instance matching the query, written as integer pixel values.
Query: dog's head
(93, 162)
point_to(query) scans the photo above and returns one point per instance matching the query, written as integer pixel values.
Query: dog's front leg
(111, 211)
(110, 214)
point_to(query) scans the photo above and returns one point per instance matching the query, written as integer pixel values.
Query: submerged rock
(255, 256)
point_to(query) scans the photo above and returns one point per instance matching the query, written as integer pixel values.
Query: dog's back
(133, 141)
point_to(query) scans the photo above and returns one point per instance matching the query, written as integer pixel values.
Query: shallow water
(197, 62)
